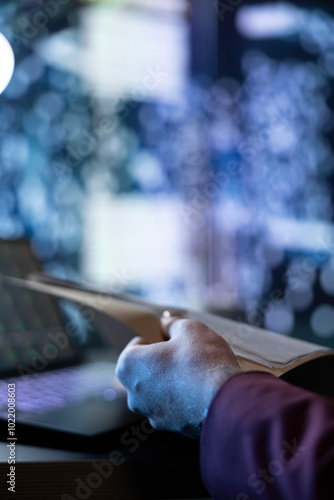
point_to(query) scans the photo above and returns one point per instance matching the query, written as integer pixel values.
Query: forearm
(265, 438)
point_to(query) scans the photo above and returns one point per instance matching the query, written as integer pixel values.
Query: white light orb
(7, 62)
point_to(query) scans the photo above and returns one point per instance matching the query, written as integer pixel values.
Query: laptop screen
(17, 259)
(34, 334)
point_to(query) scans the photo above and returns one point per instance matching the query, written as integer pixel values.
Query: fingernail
(172, 314)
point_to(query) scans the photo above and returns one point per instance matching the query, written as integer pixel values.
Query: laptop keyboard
(63, 388)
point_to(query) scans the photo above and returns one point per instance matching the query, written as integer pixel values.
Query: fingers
(125, 361)
(174, 325)
(136, 341)
(168, 319)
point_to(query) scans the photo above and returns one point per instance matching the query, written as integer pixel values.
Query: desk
(165, 467)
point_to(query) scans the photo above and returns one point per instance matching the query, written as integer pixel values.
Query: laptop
(64, 373)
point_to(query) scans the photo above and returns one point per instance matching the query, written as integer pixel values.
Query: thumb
(169, 320)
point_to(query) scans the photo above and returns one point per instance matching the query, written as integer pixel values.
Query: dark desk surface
(165, 466)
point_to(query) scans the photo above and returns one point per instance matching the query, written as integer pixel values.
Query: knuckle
(122, 369)
(193, 323)
(157, 424)
(118, 370)
(133, 406)
(194, 327)
(153, 423)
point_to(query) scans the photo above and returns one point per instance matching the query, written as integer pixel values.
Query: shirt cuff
(228, 411)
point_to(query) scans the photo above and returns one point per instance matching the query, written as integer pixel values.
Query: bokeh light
(197, 190)
(322, 321)
(7, 61)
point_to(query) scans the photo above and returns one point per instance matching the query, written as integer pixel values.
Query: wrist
(223, 374)
(194, 430)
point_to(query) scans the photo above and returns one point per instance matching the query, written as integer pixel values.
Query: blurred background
(179, 150)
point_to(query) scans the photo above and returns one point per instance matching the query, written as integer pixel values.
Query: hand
(173, 382)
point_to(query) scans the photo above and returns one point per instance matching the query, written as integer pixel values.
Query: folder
(255, 348)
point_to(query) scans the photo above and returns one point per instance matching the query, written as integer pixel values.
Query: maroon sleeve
(266, 439)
